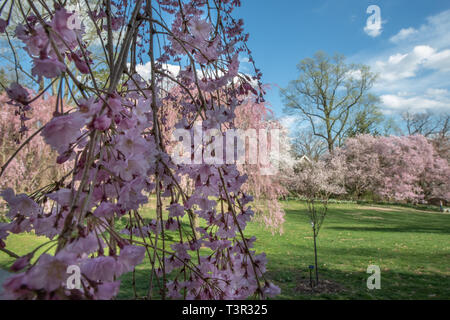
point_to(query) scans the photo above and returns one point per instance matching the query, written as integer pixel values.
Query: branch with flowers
(112, 140)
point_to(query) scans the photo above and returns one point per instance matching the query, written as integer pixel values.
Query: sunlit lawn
(411, 247)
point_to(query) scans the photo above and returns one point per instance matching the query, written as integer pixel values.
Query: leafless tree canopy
(326, 94)
(434, 126)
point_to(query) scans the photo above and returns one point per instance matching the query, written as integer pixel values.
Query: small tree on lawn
(316, 181)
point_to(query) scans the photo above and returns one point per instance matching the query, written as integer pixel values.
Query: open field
(412, 248)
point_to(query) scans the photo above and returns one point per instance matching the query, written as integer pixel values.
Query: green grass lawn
(412, 248)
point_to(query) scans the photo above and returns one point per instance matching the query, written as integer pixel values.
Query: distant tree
(434, 126)
(328, 94)
(426, 124)
(404, 168)
(305, 143)
(441, 140)
(390, 127)
(266, 189)
(364, 174)
(34, 166)
(365, 120)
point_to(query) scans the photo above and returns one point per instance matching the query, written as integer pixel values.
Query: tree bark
(315, 258)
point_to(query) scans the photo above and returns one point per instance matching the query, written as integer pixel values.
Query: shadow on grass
(394, 285)
(142, 284)
(363, 220)
(414, 229)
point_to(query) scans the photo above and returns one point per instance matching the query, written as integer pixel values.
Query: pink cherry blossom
(19, 204)
(18, 93)
(176, 210)
(62, 131)
(106, 291)
(398, 168)
(131, 142)
(47, 67)
(102, 123)
(21, 263)
(101, 268)
(49, 273)
(200, 29)
(130, 256)
(105, 210)
(80, 63)
(114, 141)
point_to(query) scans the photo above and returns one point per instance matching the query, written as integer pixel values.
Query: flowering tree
(396, 168)
(34, 166)
(266, 188)
(250, 114)
(316, 181)
(115, 139)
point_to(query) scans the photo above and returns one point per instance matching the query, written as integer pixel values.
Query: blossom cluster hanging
(114, 137)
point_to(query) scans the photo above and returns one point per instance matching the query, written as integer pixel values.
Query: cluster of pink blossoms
(49, 43)
(114, 139)
(395, 168)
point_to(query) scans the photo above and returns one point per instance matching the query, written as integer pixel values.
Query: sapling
(316, 181)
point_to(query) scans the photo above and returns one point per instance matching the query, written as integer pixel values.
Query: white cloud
(401, 66)
(439, 61)
(244, 59)
(145, 70)
(421, 58)
(437, 92)
(435, 32)
(416, 104)
(354, 74)
(373, 30)
(414, 73)
(433, 99)
(288, 121)
(403, 34)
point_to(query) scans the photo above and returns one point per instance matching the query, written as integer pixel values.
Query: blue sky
(411, 52)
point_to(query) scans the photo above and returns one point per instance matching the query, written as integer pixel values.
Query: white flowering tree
(316, 181)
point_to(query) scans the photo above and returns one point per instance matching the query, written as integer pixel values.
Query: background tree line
(403, 159)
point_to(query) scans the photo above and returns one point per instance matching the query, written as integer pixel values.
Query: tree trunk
(315, 259)
(330, 145)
